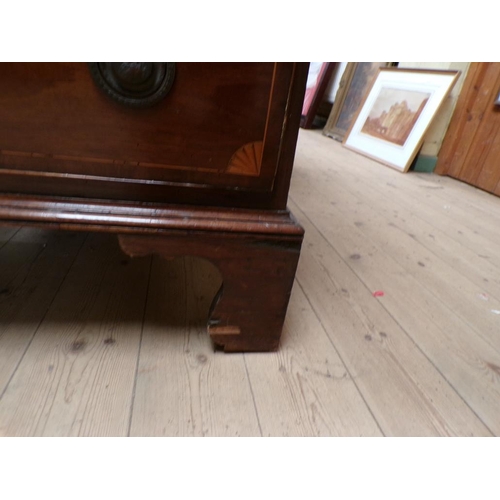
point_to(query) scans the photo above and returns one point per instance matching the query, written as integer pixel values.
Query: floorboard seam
(340, 357)
(252, 393)
(43, 317)
(132, 402)
(396, 321)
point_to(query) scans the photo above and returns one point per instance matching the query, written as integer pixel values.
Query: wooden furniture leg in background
(257, 277)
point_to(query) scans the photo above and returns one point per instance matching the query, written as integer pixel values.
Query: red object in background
(317, 82)
(378, 293)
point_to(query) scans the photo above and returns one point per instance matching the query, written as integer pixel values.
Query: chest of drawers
(176, 159)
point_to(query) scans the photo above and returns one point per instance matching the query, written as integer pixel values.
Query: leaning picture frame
(356, 80)
(396, 113)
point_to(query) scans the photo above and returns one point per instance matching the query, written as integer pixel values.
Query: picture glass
(396, 113)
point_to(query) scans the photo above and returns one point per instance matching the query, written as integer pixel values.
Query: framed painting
(317, 83)
(396, 113)
(355, 82)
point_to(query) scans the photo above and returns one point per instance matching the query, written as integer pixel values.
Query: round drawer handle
(136, 84)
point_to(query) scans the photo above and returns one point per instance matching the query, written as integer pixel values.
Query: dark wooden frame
(332, 128)
(324, 77)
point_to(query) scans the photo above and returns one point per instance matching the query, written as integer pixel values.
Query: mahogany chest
(176, 159)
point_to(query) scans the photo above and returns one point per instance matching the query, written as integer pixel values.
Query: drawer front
(221, 128)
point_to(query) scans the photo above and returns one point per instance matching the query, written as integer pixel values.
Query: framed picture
(317, 83)
(354, 84)
(396, 113)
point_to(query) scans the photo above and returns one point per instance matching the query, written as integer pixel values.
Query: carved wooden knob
(137, 84)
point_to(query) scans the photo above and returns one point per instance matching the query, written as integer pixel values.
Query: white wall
(332, 88)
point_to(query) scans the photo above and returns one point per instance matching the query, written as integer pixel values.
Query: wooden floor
(93, 343)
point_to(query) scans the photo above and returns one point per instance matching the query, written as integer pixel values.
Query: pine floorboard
(183, 387)
(93, 343)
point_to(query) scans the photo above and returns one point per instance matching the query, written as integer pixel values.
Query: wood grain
(375, 348)
(257, 272)
(141, 219)
(77, 376)
(305, 389)
(177, 151)
(448, 287)
(470, 149)
(183, 387)
(461, 131)
(25, 299)
(346, 208)
(212, 110)
(473, 229)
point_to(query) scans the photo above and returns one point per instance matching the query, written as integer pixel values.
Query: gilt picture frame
(355, 82)
(396, 113)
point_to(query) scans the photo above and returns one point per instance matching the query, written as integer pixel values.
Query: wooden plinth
(256, 253)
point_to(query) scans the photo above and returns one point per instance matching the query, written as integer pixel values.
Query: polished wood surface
(257, 277)
(60, 134)
(82, 215)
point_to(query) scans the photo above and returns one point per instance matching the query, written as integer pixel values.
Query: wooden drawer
(224, 135)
